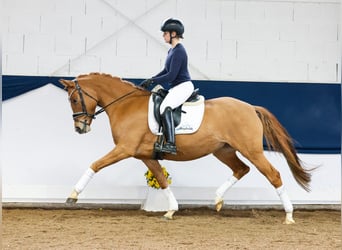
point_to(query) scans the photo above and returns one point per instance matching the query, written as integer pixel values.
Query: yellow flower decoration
(152, 181)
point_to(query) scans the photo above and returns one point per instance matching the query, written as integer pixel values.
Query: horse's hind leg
(273, 175)
(228, 157)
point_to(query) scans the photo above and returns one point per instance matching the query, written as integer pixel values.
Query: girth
(158, 98)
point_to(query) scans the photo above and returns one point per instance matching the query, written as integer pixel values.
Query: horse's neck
(110, 90)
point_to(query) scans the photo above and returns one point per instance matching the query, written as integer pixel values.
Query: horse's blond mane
(110, 77)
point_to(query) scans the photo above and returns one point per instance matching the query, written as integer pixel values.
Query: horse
(228, 126)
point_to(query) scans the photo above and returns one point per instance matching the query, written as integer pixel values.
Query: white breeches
(177, 96)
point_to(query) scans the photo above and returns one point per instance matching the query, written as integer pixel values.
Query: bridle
(84, 111)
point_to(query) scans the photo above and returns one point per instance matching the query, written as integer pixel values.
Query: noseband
(84, 108)
(84, 111)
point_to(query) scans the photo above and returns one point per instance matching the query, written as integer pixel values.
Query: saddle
(158, 97)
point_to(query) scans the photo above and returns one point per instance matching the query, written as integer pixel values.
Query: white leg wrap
(285, 199)
(225, 186)
(173, 204)
(87, 176)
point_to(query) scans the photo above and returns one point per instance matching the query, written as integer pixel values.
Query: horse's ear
(65, 83)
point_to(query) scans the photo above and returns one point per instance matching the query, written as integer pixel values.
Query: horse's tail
(278, 139)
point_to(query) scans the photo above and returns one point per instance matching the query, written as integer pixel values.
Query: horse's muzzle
(82, 127)
(80, 130)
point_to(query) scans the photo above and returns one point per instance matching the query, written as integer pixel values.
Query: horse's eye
(74, 101)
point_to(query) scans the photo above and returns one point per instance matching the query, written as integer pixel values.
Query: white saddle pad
(191, 118)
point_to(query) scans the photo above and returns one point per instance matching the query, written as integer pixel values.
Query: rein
(84, 108)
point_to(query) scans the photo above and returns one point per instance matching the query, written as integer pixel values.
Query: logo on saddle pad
(187, 117)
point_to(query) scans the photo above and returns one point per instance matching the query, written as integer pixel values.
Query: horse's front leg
(112, 157)
(157, 171)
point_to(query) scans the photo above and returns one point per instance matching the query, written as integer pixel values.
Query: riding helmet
(173, 25)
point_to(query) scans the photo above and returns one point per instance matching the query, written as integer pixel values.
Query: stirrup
(158, 147)
(169, 148)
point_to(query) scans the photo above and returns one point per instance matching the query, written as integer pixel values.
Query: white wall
(286, 40)
(43, 158)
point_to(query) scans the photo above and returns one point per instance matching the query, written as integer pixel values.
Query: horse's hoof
(289, 219)
(71, 201)
(169, 214)
(219, 204)
(165, 218)
(289, 222)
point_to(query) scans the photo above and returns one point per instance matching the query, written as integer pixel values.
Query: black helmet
(173, 25)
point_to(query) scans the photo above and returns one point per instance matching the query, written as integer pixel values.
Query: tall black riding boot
(169, 132)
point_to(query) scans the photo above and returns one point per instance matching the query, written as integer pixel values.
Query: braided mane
(111, 78)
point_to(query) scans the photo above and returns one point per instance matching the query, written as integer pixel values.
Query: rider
(176, 74)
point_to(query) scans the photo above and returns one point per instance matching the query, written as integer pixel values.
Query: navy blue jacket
(176, 67)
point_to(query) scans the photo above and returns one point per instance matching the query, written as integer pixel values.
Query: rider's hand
(146, 83)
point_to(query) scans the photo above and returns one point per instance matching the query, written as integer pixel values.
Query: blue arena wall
(311, 112)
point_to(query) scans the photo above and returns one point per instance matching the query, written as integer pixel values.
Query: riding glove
(146, 83)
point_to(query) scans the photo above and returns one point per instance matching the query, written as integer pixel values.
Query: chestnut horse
(229, 125)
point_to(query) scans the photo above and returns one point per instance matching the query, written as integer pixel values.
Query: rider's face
(166, 36)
